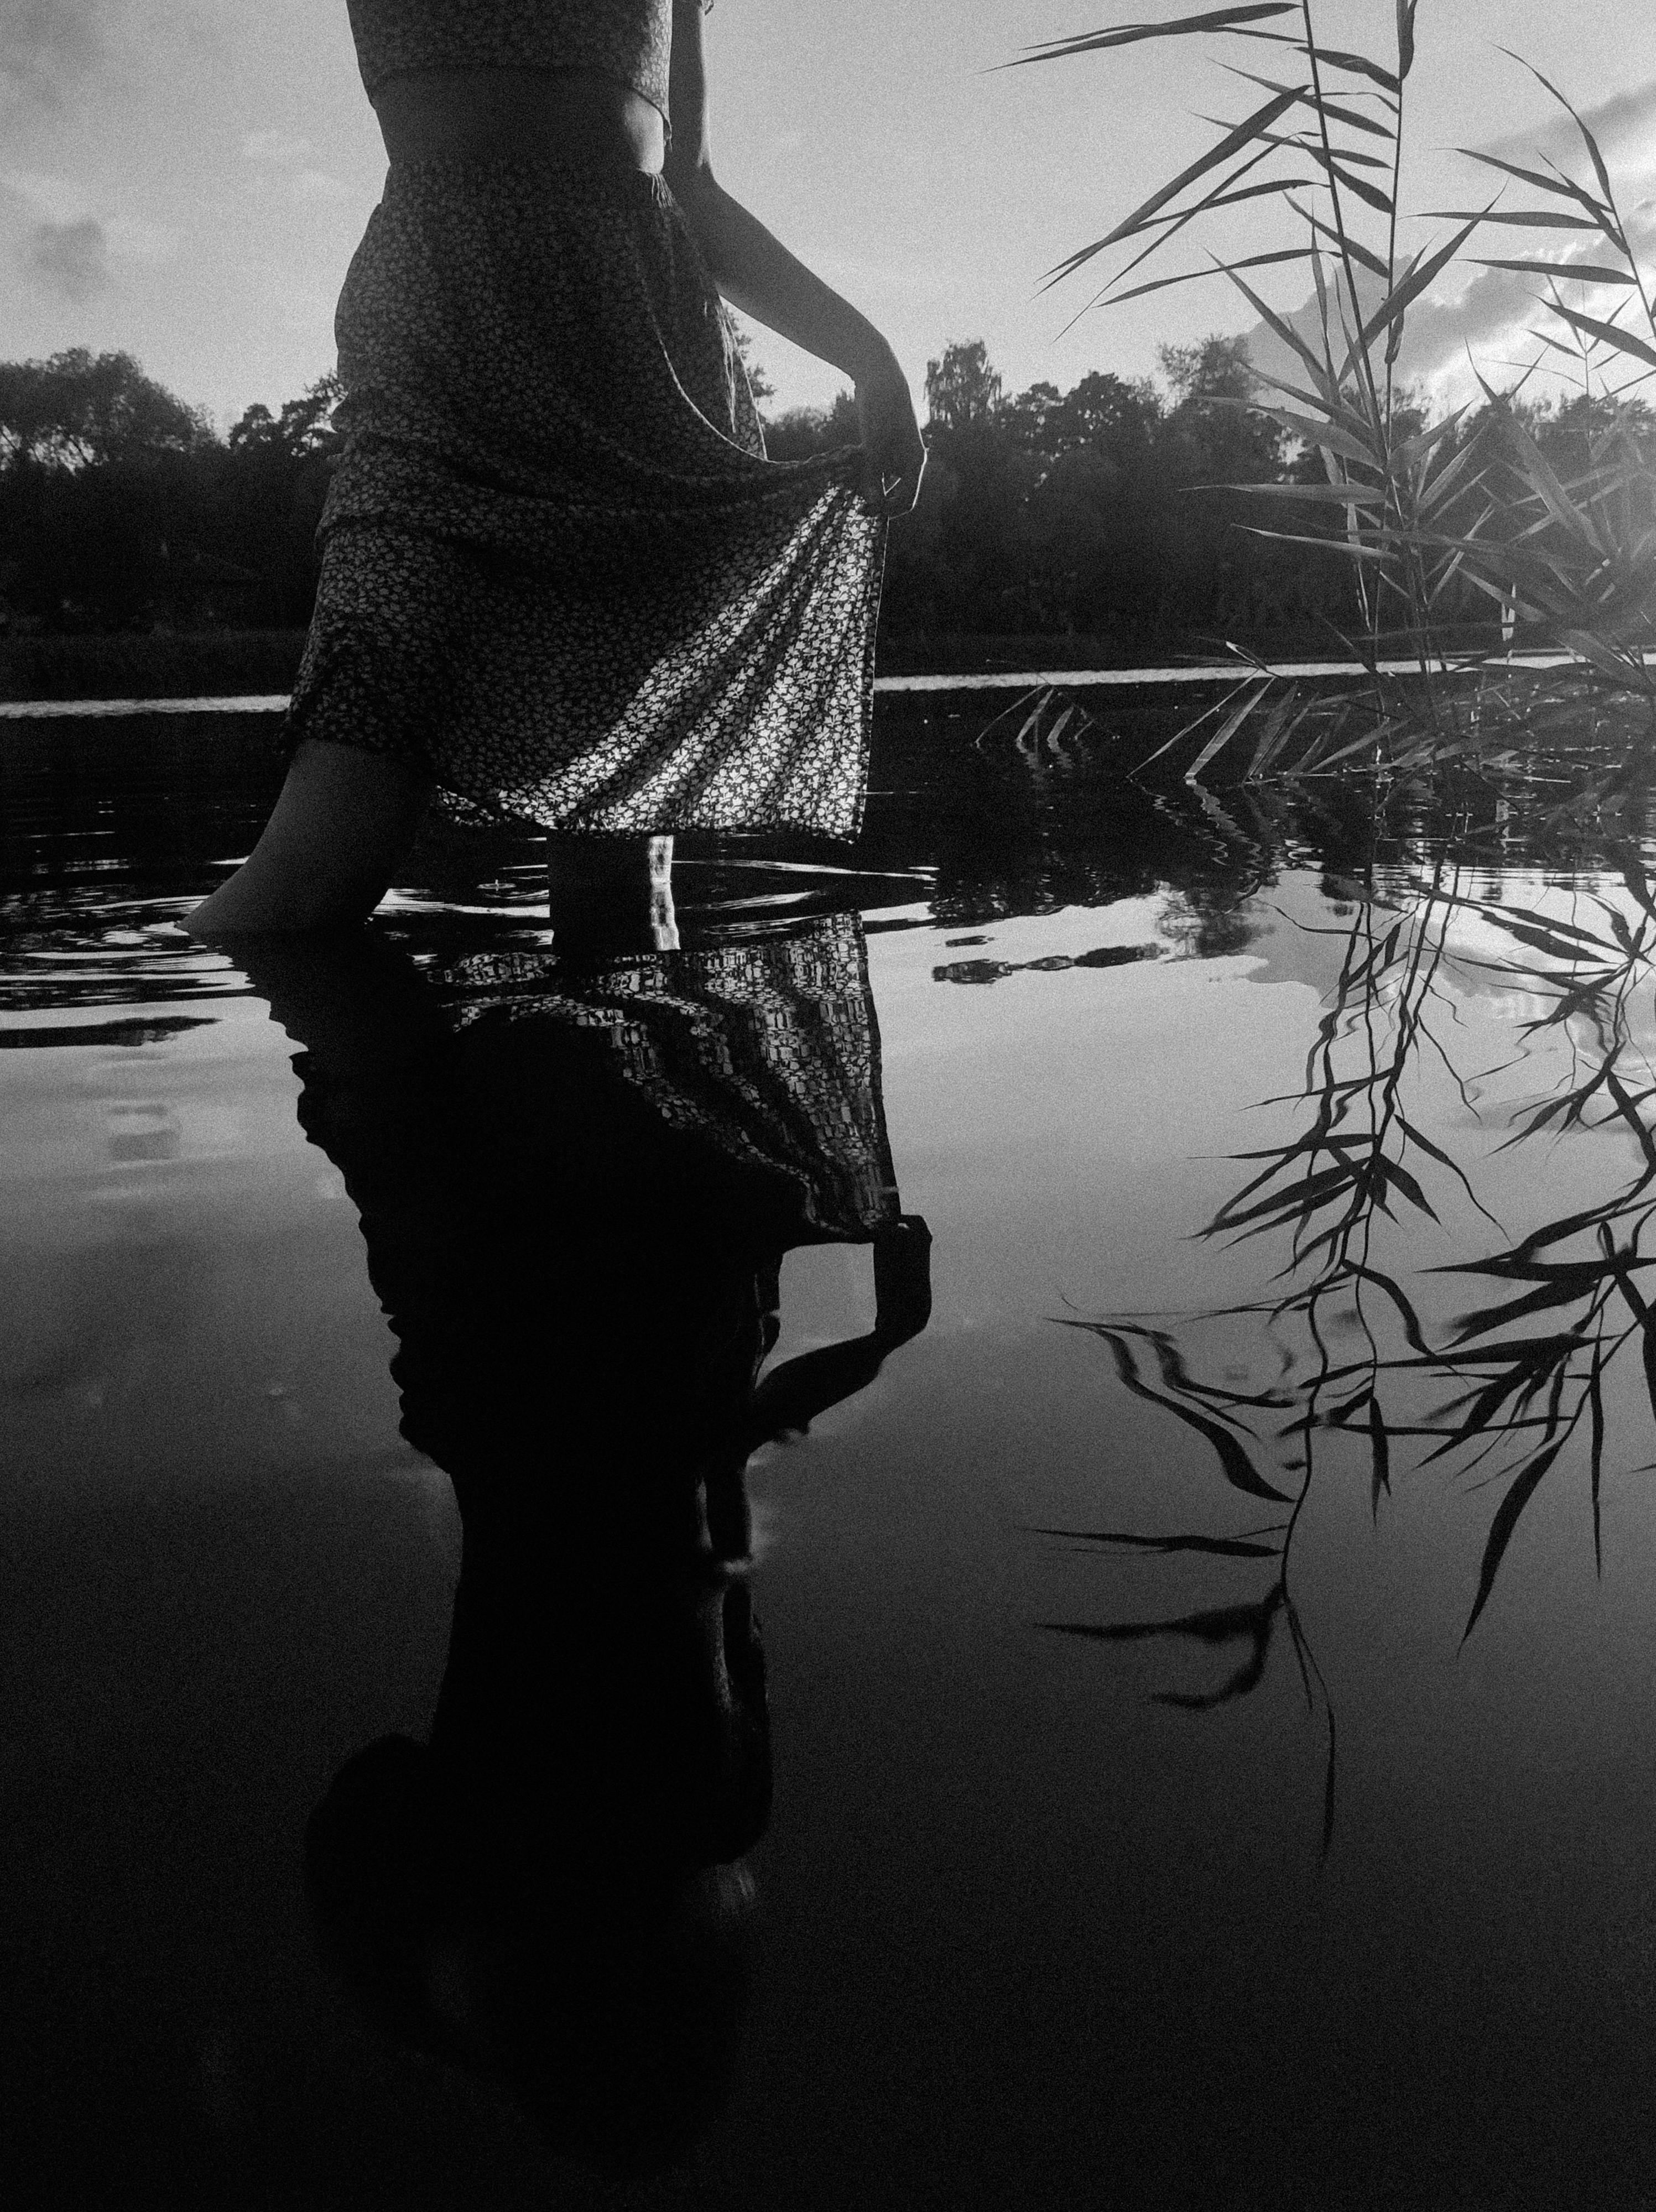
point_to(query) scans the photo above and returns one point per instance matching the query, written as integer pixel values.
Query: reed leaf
(1218, 1547)
(1238, 136)
(1406, 11)
(1306, 97)
(1515, 219)
(1561, 185)
(1609, 334)
(1588, 140)
(1587, 273)
(1330, 58)
(1239, 1469)
(1523, 1487)
(1359, 252)
(1090, 42)
(1380, 1457)
(1389, 315)
(1110, 298)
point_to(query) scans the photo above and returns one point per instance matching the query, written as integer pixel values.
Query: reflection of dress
(576, 1189)
(767, 1047)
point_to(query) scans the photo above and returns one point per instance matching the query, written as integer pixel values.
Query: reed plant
(1422, 511)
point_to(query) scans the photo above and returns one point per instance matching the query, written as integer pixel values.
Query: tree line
(121, 508)
(1108, 511)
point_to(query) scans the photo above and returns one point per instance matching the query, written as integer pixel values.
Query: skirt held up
(558, 569)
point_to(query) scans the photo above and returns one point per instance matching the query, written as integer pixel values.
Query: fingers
(889, 491)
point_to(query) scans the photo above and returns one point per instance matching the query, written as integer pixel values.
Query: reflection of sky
(183, 1280)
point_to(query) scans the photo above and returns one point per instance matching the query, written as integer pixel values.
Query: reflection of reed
(1504, 1399)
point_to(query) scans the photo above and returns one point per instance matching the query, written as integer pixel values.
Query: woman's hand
(894, 452)
(902, 1294)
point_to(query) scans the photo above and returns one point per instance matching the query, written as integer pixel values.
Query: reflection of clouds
(140, 1131)
(1490, 969)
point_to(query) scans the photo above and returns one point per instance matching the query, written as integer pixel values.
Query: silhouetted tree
(798, 432)
(758, 382)
(79, 408)
(303, 428)
(1109, 510)
(121, 509)
(962, 389)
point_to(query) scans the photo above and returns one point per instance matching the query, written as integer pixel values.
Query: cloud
(1624, 126)
(280, 147)
(72, 243)
(68, 259)
(50, 198)
(317, 185)
(46, 45)
(285, 150)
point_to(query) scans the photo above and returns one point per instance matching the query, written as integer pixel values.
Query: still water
(1140, 1291)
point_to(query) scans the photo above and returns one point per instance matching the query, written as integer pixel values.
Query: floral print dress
(558, 569)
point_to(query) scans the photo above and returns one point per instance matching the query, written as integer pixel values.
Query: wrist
(865, 353)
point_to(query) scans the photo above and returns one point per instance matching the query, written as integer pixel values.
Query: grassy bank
(228, 664)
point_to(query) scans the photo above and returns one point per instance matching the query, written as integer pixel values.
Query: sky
(186, 179)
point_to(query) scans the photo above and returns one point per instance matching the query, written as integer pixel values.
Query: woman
(560, 581)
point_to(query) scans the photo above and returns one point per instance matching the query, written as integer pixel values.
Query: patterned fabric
(629, 40)
(767, 1048)
(557, 568)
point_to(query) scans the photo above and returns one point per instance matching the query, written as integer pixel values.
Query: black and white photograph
(827, 1106)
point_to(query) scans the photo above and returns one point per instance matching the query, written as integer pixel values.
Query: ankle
(606, 868)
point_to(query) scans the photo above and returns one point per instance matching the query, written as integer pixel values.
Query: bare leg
(613, 886)
(342, 825)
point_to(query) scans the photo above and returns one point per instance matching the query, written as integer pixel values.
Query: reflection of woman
(576, 1193)
(560, 580)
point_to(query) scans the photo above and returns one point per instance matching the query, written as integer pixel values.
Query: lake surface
(1203, 1753)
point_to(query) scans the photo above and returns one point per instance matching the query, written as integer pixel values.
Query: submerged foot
(341, 828)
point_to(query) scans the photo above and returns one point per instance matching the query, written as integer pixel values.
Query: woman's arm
(792, 1395)
(758, 275)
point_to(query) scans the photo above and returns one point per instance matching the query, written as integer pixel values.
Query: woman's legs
(605, 887)
(344, 820)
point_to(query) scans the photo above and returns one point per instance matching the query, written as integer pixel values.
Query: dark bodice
(631, 40)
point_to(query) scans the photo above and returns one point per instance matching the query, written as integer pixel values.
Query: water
(1146, 1828)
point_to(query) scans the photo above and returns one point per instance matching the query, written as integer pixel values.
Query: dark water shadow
(576, 1185)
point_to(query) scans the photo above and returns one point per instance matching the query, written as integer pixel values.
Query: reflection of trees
(1499, 1395)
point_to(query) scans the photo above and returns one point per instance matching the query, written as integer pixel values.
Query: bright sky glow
(187, 179)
